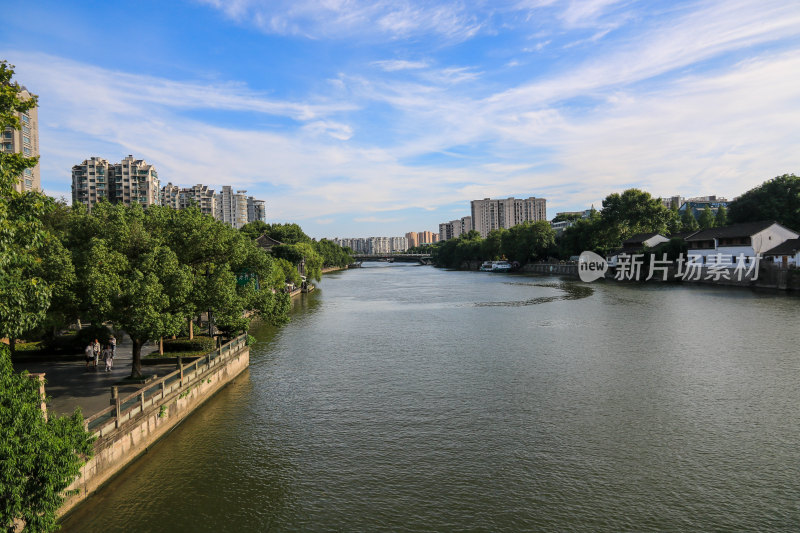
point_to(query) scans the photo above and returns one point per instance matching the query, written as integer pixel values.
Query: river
(407, 398)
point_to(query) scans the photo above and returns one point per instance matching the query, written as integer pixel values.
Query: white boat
(496, 266)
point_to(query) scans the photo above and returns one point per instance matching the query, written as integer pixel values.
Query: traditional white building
(724, 245)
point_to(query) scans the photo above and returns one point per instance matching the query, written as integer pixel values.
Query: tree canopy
(39, 456)
(776, 199)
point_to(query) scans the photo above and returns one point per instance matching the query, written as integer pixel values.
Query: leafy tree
(585, 235)
(287, 233)
(564, 217)
(255, 229)
(674, 223)
(634, 211)
(528, 241)
(706, 218)
(39, 458)
(688, 221)
(332, 254)
(492, 245)
(776, 199)
(721, 218)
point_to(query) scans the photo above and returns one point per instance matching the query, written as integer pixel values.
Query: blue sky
(356, 118)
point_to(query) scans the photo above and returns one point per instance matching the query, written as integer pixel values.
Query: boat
(495, 266)
(501, 266)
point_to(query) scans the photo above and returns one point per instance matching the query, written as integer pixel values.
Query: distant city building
(413, 239)
(427, 237)
(133, 181)
(24, 141)
(90, 182)
(256, 210)
(698, 205)
(199, 196)
(231, 207)
(374, 245)
(455, 228)
(673, 202)
(488, 214)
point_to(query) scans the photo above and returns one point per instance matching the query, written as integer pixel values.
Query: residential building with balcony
(24, 141)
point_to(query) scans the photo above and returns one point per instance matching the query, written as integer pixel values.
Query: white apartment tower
(90, 182)
(231, 207)
(131, 181)
(24, 141)
(256, 210)
(135, 182)
(199, 196)
(488, 214)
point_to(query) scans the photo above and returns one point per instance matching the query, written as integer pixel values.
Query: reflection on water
(392, 401)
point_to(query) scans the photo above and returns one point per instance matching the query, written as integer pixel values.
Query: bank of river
(408, 398)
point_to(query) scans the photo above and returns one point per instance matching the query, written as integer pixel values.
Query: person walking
(113, 342)
(96, 352)
(89, 353)
(108, 357)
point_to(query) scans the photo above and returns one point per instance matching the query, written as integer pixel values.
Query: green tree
(776, 199)
(39, 458)
(706, 218)
(492, 246)
(255, 229)
(287, 233)
(528, 241)
(634, 211)
(674, 223)
(688, 221)
(721, 218)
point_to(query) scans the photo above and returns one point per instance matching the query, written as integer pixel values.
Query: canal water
(406, 398)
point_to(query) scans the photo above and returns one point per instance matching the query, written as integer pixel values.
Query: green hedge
(198, 344)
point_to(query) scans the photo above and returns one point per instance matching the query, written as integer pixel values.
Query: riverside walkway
(70, 385)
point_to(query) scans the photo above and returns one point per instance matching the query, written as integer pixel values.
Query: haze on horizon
(359, 118)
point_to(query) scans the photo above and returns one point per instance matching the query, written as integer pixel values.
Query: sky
(358, 118)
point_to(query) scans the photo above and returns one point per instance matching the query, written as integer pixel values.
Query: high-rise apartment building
(24, 141)
(413, 239)
(455, 228)
(199, 196)
(488, 214)
(90, 181)
(428, 237)
(256, 210)
(232, 207)
(134, 181)
(131, 181)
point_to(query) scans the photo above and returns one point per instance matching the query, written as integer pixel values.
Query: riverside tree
(776, 199)
(39, 456)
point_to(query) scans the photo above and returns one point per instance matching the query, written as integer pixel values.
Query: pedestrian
(108, 357)
(96, 352)
(113, 341)
(89, 352)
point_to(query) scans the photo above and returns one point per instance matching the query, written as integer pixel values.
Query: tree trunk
(191, 329)
(136, 351)
(12, 346)
(161, 346)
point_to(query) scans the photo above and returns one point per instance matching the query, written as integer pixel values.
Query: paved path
(70, 385)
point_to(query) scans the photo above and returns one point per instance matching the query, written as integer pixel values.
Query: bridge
(424, 259)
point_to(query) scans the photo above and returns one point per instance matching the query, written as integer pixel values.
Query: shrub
(197, 344)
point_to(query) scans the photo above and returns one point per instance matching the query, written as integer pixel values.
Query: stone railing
(123, 410)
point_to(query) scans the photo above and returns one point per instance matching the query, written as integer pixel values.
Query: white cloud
(391, 65)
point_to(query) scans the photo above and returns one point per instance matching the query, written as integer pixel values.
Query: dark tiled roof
(682, 235)
(746, 229)
(639, 238)
(267, 242)
(789, 247)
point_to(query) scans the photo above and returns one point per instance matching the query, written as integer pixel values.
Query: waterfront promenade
(70, 385)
